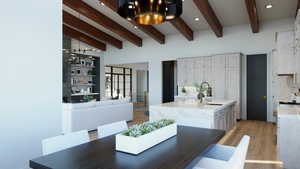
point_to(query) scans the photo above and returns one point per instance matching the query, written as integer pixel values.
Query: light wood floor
(139, 114)
(262, 152)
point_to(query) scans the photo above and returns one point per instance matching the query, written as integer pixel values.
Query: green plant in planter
(147, 127)
(183, 90)
(88, 98)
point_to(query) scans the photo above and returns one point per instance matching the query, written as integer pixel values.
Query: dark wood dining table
(178, 152)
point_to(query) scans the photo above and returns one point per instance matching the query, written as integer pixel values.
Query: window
(107, 84)
(118, 82)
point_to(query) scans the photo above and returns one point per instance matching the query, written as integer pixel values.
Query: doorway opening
(138, 85)
(169, 79)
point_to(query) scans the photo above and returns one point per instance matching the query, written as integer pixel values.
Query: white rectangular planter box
(298, 99)
(136, 145)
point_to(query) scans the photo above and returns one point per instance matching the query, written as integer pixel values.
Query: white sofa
(90, 115)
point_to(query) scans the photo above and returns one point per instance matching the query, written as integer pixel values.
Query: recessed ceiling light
(135, 27)
(102, 3)
(269, 6)
(196, 19)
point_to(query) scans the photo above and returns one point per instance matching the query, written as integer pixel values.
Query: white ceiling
(229, 12)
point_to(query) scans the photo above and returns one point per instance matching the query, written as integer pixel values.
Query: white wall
(31, 79)
(236, 39)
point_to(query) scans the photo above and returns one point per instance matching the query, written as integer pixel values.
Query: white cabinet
(297, 48)
(199, 70)
(182, 72)
(190, 71)
(207, 77)
(288, 136)
(219, 74)
(233, 81)
(285, 45)
(286, 63)
(180, 65)
(224, 119)
(186, 72)
(194, 70)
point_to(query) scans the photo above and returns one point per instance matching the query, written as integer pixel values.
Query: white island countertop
(217, 114)
(214, 105)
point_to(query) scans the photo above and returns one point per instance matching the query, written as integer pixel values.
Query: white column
(155, 82)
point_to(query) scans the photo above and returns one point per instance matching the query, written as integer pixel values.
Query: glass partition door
(118, 82)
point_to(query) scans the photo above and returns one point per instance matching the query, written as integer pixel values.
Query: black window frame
(124, 74)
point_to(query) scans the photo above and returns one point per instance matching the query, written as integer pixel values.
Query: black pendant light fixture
(149, 12)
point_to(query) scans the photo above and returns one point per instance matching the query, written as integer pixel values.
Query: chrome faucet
(208, 89)
(201, 89)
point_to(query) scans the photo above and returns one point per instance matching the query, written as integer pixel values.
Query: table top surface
(175, 153)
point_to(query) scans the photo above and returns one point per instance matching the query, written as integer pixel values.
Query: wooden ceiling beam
(151, 31)
(253, 15)
(83, 38)
(210, 16)
(91, 30)
(93, 14)
(148, 29)
(183, 28)
(112, 4)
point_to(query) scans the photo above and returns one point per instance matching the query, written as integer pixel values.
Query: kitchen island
(218, 114)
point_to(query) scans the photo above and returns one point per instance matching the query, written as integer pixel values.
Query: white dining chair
(58, 143)
(112, 128)
(225, 157)
(194, 123)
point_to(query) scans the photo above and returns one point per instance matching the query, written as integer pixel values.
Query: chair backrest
(112, 128)
(237, 160)
(58, 143)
